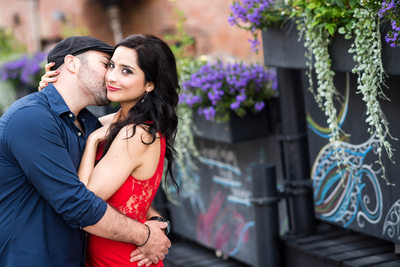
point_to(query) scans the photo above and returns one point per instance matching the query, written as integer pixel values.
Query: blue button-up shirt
(43, 204)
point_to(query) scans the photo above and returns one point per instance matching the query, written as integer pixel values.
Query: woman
(123, 160)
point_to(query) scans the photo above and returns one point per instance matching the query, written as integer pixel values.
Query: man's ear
(71, 63)
(149, 87)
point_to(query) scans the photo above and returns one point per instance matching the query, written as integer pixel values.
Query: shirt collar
(56, 102)
(58, 105)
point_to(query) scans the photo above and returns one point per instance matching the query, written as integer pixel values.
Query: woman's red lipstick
(112, 88)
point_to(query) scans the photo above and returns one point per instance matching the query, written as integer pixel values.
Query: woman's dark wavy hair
(158, 110)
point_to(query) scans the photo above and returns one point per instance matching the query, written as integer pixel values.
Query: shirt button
(79, 133)
(70, 115)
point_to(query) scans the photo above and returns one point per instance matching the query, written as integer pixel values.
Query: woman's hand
(101, 133)
(48, 77)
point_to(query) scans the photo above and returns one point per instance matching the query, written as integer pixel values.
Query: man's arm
(35, 140)
(116, 226)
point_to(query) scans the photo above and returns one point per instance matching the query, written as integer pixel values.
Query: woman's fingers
(145, 261)
(48, 77)
(137, 255)
(42, 85)
(49, 80)
(48, 66)
(50, 74)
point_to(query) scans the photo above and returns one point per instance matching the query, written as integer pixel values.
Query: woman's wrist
(93, 140)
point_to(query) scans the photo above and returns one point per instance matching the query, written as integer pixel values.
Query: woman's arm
(125, 155)
(89, 155)
(88, 159)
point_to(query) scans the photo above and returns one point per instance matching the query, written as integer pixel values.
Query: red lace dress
(133, 199)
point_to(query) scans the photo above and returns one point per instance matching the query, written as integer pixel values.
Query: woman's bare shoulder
(107, 119)
(140, 132)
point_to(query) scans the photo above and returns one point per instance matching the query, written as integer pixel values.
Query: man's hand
(156, 247)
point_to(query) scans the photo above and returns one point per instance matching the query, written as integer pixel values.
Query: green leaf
(311, 5)
(347, 36)
(331, 27)
(341, 30)
(353, 3)
(340, 3)
(348, 26)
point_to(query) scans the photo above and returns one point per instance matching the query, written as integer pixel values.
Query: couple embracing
(76, 190)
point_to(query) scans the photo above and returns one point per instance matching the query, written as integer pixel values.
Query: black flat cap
(76, 45)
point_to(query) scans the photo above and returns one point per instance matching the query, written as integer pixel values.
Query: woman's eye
(126, 71)
(110, 65)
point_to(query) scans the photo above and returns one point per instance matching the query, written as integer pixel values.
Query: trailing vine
(317, 40)
(184, 141)
(184, 144)
(367, 49)
(319, 21)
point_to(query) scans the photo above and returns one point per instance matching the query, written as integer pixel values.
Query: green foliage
(9, 46)
(184, 141)
(181, 41)
(329, 15)
(319, 21)
(7, 96)
(69, 29)
(10, 49)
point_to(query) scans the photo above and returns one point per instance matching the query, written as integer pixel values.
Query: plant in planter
(319, 21)
(184, 141)
(24, 70)
(218, 89)
(18, 71)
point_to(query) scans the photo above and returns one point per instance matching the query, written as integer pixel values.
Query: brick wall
(206, 22)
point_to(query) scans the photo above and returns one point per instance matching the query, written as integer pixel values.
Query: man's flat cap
(76, 45)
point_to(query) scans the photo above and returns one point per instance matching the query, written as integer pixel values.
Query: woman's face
(124, 79)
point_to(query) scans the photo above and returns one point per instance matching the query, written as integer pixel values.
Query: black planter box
(283, 48)
(249, 127)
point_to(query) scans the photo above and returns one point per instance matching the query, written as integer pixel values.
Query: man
(43, 205)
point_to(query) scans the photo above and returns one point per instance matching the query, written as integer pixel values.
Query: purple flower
(391, 38)
(15, 65)
(235, 105)
(24, 70)
(193, 99)
(213, 97)
(250, 12)
(224, 87)
(386, 6)
(255, 44)
(232, 21)
(395, 27)
(255, 17)
(209, 113)
(240, 98)
(259, 106)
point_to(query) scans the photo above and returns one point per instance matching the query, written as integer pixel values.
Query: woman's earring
(144, 97)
